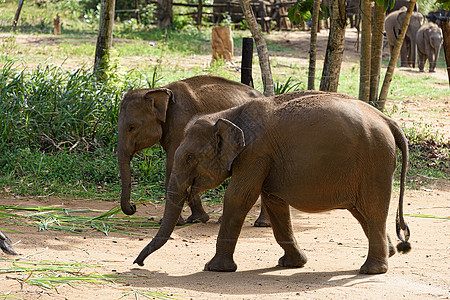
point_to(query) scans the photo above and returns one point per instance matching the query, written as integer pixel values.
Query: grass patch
(52, 274)
(75, 220)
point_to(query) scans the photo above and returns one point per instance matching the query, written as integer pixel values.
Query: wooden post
(57, 25)
(16, 17)
(199, 13)
(247, 59)
(262, 16)
(222, 43)
(445, 26)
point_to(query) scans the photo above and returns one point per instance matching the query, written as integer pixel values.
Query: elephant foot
(372, 266)
(391, 250)
(293, 261)
(180, 221)
(221, 264)
(262, 221)
(198, 217)
(432, 71)
(421, 70)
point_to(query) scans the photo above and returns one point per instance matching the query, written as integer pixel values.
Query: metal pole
(246, 65)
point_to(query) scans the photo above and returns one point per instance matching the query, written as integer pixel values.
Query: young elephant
(148, 116)
(316, 153)
(429, 40)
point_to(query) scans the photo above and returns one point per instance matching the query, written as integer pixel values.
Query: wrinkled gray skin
(393, 23)
(315, 153)
(429, 40)
(149, 116)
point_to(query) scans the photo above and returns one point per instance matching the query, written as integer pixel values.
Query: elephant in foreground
(429, 40)
(393, 23)
(149, 116)
(316, 153)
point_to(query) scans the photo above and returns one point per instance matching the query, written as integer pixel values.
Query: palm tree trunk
(366, 36)
(377, 51)
(381, 103)
(335, 47)
(261, 47)
(313, 46)
(104, 39)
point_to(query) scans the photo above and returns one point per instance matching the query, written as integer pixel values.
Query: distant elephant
(316, 153)
(393, 23)
(149, 116)
(399, 4)
(353, 12)
(429, 40)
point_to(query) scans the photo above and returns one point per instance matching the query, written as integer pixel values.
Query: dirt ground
(334, 242)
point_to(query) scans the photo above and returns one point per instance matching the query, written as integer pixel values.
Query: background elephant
(316, 152)
(429, 40)
(393, 24)
(399, 4)
(148, 116)
(352, 9)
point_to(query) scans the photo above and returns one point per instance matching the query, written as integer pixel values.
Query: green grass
(52, 274)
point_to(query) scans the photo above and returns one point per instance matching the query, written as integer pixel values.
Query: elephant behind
(149, 116)
(429, 40)
(393, 23)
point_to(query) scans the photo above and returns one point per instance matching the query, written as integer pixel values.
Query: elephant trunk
(125, 175)
(176, 196)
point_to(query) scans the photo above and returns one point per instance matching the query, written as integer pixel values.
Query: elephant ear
(159, 101)
(229, 141)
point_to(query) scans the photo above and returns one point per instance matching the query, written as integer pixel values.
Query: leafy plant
(289, 86)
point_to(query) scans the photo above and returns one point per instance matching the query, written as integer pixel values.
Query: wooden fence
(265, 11)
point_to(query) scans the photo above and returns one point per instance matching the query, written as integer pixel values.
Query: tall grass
(58, 132)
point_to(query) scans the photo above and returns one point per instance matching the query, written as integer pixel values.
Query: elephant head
(141, 117)
(202, 161)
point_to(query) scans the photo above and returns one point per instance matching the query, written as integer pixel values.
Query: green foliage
(289, 86)
(302, 11)
(445, 4)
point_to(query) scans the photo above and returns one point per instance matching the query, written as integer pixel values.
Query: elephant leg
(237, 203)
(198, 213)
(280, 218)
(404, 55)
(373, 208)
(432, 59)
(363, 223)
(422, 59)
(263, 220)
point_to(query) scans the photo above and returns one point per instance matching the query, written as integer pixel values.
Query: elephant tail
(402, 143)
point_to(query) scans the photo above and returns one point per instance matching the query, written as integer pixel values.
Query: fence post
(200, 13)
(16, 17)
(246, 64)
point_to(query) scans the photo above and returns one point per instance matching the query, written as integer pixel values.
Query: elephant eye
(188, 157)
(130, 128)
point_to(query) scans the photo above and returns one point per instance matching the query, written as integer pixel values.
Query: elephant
(393, 23)
(399, 4)
(429, 40)
(314, 152)
(353, 12)
(148, 116)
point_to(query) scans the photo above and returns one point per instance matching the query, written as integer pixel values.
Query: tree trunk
(381, 103)
(261, 47)
(335, 47)
(445, 26)
(164, 13)
(313, 46)
(104, 39)
(366, 36)
(377, 51)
